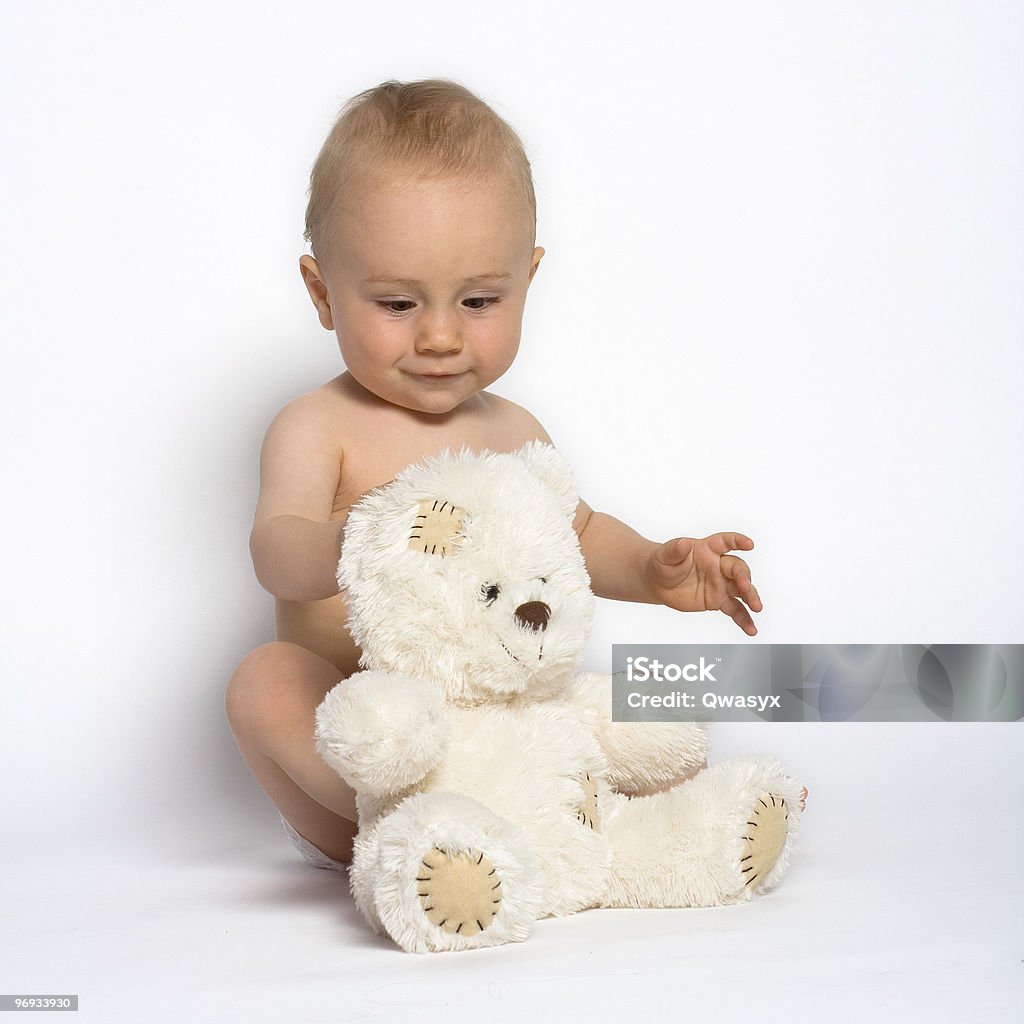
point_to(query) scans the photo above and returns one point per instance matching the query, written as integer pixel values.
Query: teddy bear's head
(465, 571)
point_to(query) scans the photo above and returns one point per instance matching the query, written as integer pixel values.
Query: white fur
(382, 732)
(384, 874)
(472, 730)
(639, 753)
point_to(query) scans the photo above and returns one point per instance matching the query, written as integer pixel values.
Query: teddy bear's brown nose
(534, 614)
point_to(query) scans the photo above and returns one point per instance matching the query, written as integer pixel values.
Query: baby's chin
(435, 406)
(431, 399)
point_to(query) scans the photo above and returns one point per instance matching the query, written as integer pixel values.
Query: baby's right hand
(382, 732)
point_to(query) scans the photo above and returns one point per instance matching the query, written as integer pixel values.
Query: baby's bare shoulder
(315, 415)
(514, 421)
(301, 456)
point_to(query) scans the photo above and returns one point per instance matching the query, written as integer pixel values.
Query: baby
(422, 222)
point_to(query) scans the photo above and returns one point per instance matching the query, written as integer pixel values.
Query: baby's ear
(546, 464)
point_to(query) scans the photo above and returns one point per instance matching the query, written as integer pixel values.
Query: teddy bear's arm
(641, 755)
(382, 732)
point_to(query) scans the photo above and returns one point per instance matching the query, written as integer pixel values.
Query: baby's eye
(389, 305)
(487, 300)
(490, 593)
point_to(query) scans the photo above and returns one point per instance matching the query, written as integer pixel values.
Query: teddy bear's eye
(543, 579)
(490, 594)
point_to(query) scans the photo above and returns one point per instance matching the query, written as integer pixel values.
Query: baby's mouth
(432, 376)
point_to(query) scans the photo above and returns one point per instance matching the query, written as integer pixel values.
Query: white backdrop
(782, 295)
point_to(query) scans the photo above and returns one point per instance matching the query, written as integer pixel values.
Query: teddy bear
(493, 788)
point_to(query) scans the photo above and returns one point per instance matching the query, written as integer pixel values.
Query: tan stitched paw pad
(586, 812)
(459, 892)
(763, 839)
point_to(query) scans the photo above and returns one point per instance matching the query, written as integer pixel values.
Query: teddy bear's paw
(586, 811)
(763, 839)
(459, 892)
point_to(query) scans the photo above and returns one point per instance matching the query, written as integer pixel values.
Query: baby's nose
(534, 614)
(438, 334)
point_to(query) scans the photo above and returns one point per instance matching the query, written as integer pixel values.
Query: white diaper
(315, 857)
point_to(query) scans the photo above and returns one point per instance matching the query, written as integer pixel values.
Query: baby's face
(424, 284)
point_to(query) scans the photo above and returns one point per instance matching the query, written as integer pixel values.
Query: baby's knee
(258, 691)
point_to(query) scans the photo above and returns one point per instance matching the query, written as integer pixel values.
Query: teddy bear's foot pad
(763, 839)
(459, 892)
(586, 812)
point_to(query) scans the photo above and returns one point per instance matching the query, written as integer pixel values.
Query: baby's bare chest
(375, 449)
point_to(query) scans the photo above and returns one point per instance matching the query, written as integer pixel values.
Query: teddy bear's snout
(534, 614)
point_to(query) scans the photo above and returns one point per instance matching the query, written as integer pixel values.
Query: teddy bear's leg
(449, 874)
(363, 873)
(721, 837)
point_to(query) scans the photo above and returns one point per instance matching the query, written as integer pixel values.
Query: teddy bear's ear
(437, 527)
(548, 465)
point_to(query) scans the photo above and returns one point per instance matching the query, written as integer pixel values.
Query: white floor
(903, 904)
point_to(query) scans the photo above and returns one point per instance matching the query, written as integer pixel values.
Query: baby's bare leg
(271, 704)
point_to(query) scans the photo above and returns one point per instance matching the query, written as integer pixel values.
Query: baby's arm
(294, 544)
(616, 556)
(686, 573)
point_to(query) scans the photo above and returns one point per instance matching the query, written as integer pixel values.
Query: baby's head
(422, 222)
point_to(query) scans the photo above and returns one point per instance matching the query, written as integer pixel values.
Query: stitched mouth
(540, 653)
(507, 651)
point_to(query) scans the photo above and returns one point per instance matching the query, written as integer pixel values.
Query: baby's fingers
(674, 552)
(738, 613)
(722, 542)
(736, 570)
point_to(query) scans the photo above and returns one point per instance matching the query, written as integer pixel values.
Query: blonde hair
(432, 128)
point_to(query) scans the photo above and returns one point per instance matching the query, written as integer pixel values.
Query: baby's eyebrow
(388, 279)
